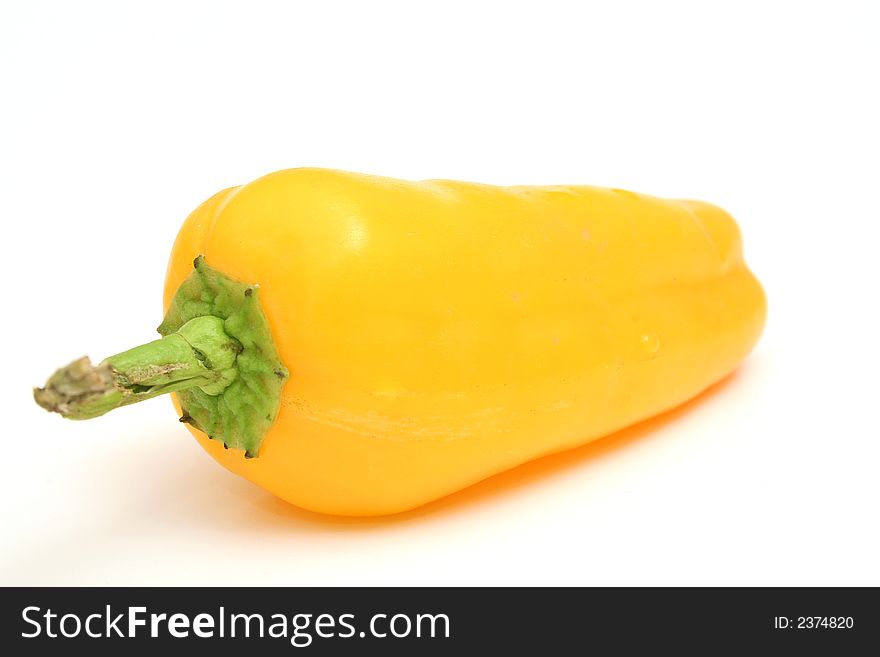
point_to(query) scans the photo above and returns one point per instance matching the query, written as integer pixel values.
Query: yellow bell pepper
(374, 344)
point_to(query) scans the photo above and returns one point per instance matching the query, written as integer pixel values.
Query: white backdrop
(117, 119)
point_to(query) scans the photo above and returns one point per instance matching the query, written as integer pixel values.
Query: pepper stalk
(217, 355)
(198, 355)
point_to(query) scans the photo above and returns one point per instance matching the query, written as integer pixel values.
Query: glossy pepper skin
(439, 332)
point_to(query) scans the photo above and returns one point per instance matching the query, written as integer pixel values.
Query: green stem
(200, 354)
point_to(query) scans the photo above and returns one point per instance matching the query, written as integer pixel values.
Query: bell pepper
(361, 345)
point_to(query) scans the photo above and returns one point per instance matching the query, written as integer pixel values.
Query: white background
(119, 118)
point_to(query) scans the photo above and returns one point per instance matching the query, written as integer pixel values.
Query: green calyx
(216, 353)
